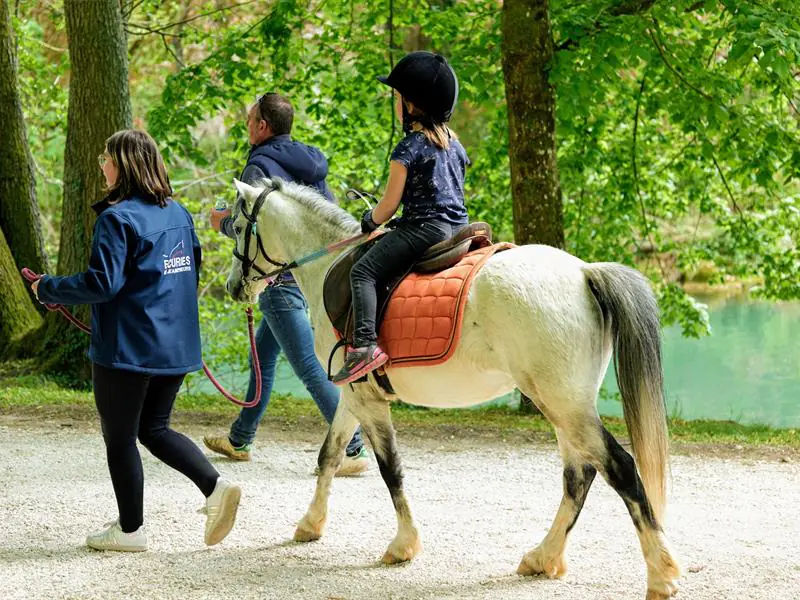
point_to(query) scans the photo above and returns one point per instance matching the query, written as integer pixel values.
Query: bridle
(247, 262)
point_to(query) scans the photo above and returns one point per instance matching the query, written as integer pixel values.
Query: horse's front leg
(378, 426)
(330, 457)
(372, 411)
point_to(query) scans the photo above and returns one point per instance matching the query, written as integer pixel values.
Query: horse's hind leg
(598, 446)
(330, 457)
(619, 470)
(548, 557)
(376, 421)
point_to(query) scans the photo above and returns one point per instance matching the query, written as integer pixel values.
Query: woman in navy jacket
(142, 286)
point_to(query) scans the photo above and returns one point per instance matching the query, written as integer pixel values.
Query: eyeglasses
(261, 104)
(101, 159)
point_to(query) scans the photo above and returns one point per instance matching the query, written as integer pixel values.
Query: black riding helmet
(428, 81)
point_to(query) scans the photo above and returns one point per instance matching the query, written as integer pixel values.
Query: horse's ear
(248, 192)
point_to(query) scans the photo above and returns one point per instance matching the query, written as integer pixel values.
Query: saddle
(419, 312)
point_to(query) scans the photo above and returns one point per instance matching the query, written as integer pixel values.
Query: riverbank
(29, 398)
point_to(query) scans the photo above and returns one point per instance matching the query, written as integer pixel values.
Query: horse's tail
(626, 299)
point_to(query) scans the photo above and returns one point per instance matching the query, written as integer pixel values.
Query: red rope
(30, 276)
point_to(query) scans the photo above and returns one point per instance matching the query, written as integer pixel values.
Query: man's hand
(217, 216)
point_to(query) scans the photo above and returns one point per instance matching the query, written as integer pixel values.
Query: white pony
(537, 319)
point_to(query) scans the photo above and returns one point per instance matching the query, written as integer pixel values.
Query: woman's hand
(35, 288)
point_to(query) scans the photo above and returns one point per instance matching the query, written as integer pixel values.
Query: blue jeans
(285, 327)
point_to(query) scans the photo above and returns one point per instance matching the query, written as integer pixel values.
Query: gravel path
(733, 523)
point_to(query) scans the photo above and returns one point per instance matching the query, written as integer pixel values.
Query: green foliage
(43, 69)
(679, 307)
(677, 125)
(694, 152)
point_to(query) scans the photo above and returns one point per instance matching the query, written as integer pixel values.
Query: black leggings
(391, 256)
(139, 405)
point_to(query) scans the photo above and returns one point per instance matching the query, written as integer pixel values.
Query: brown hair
(277, 111)
(141, 169)
(438, 134)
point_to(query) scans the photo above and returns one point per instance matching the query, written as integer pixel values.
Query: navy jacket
(281, 156)
(142, 285)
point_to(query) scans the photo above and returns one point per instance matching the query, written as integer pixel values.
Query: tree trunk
(19, 212)
(18, 317)
(99, 105)
(527, 52)
(531, 104)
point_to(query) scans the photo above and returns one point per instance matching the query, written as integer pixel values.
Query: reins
(252, 219)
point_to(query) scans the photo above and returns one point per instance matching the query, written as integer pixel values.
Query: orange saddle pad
(422, 322)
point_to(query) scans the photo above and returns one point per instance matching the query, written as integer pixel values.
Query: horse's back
(529, 308)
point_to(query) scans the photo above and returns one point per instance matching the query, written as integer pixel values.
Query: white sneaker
(220, 511)
(113, 538)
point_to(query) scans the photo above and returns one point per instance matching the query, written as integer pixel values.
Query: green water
(747, 371)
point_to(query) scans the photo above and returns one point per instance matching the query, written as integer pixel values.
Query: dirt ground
(480, 502)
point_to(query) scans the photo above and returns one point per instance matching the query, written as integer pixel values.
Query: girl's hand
(367, 224)
(35, 288)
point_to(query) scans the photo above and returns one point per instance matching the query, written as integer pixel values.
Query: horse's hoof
(533, 564)
(399, 552)
(307, 532)
(654, 595)
(662, 576)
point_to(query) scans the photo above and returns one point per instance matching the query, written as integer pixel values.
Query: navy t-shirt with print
(435, 182)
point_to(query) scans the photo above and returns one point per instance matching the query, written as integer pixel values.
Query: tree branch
(675, 156)
(162, 28)
(129, 7)
(390, 26)
(213, 280)
(671, 68)
(714, 50)
(48, 46)
(727, 187)
(791, 103)
(147, 31)
(629, 7)
(169, 49)
(186, 184)
(645, 219)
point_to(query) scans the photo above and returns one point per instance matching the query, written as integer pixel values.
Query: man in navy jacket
(285, 327)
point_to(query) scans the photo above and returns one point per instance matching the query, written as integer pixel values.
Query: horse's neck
(300, 235)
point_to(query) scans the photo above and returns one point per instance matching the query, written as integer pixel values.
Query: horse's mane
(313, 201)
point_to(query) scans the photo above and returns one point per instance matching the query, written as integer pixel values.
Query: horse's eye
(237, 230)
